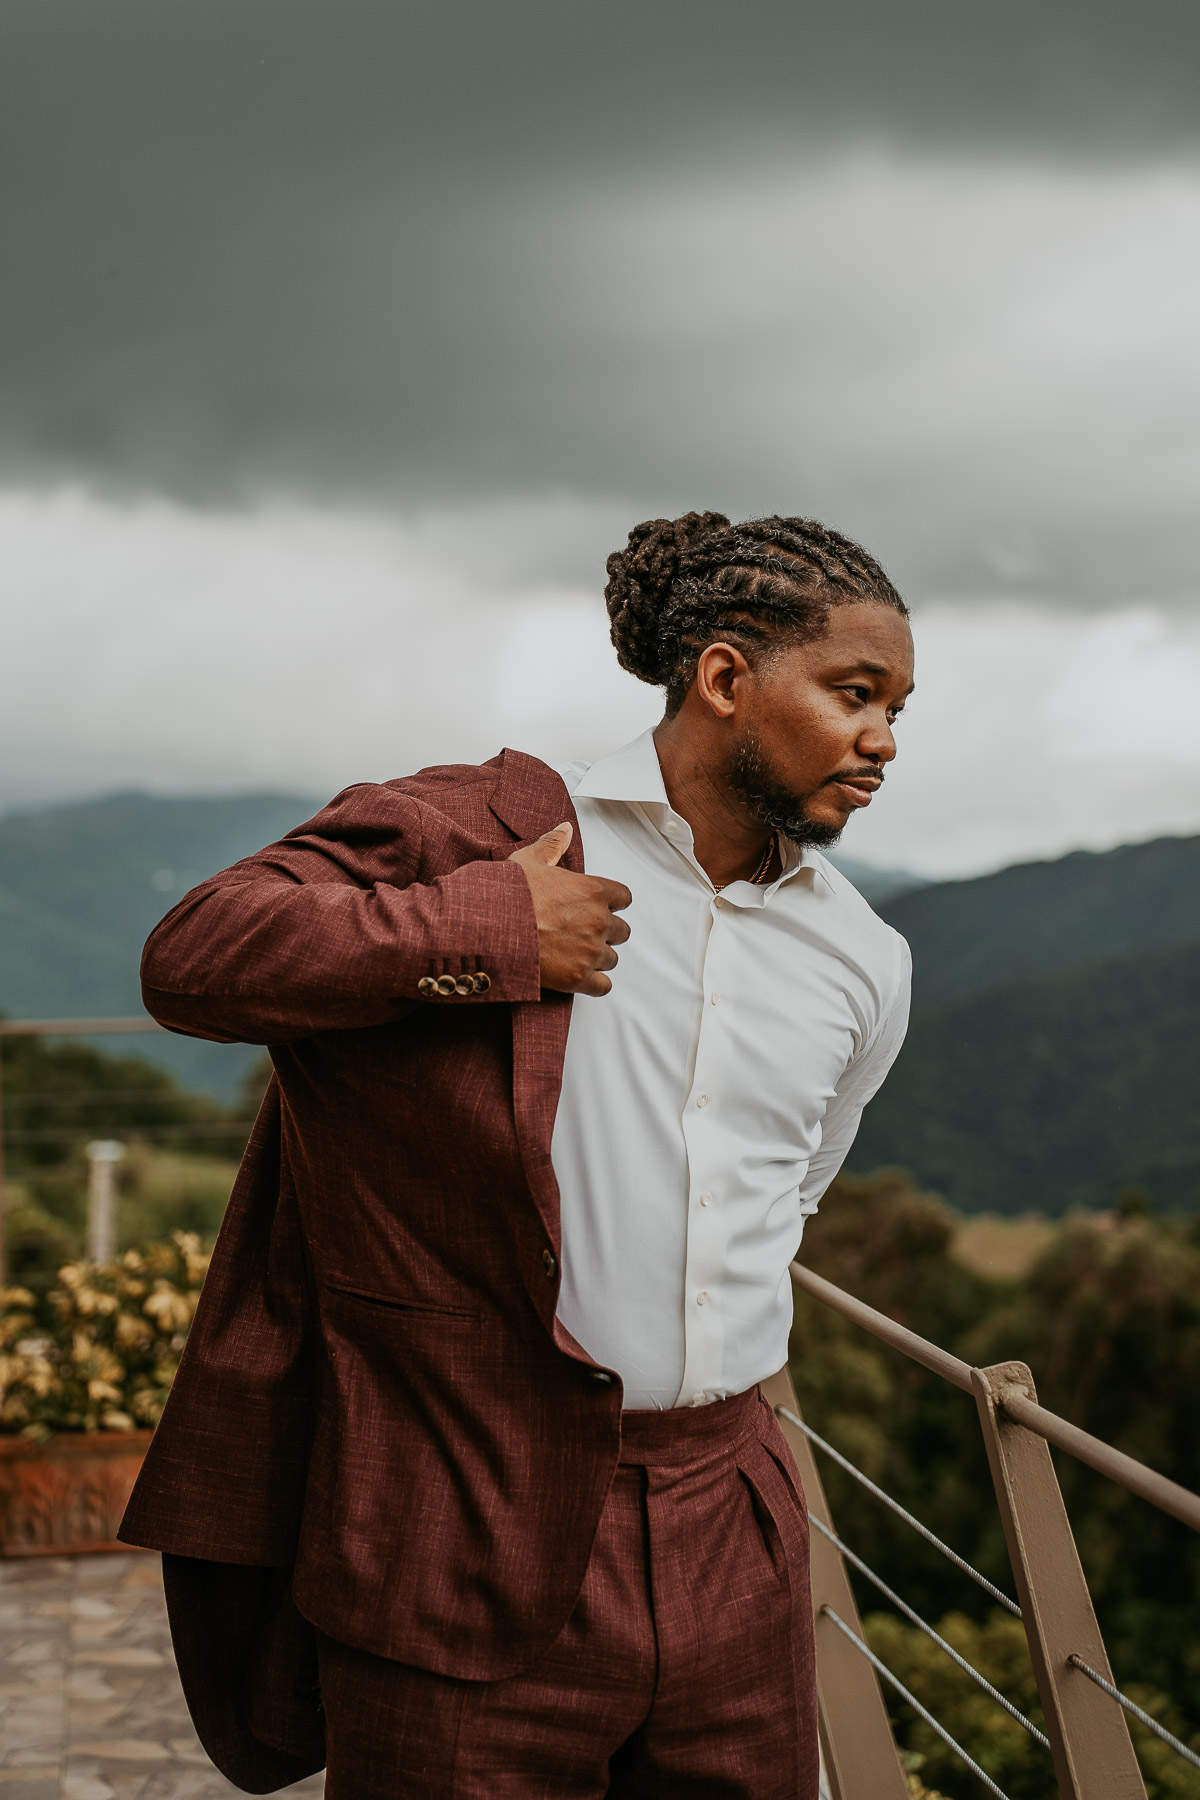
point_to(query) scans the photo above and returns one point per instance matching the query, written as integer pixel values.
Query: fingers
(550, 847)
(616, 895)
(617, 930)
(595, 984)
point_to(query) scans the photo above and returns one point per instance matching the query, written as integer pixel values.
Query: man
(470, 1403)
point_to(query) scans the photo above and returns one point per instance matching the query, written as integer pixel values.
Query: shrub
(98, 1351)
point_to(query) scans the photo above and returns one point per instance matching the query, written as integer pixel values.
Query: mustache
(854, 775)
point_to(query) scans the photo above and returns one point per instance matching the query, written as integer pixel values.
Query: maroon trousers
(686, 1667)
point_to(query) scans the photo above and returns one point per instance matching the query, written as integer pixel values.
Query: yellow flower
(195, 1260)
(116, 1421)
(131, 1333)
(170, 1310)
(102, 1390)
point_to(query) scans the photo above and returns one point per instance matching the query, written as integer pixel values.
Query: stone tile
(85, 1662)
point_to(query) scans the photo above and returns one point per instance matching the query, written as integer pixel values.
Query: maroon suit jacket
(376, 1393)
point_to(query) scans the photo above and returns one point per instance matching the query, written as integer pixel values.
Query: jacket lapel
(529, 798)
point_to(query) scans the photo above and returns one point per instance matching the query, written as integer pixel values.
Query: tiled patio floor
(90, 1705)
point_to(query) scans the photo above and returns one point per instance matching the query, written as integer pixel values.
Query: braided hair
(681, 584)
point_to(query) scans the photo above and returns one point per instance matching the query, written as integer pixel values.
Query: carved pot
(67, 1495)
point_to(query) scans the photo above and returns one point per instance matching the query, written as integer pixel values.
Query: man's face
(814, 723)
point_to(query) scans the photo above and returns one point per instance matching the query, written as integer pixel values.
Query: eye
(861, 694)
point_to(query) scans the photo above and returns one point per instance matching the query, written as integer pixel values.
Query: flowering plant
(98, 1352)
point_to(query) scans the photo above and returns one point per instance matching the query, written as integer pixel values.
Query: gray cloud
(630, 251)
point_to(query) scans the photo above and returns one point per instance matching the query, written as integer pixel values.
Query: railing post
(857, 1746)
(1089, 1739)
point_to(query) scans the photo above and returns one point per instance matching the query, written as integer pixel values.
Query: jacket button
(464, 985)
(550, 1264)
(446, 984)
(601, 1375)
(427, 986)
(482, 982)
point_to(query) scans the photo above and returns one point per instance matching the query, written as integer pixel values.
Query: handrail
(1147, 1483)
(950, 1368)
(76, 1027)
(1125, 1470)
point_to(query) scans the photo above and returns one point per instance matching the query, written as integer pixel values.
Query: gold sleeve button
(482, 982)
(464, 985)
(427, 986)
(446, 984)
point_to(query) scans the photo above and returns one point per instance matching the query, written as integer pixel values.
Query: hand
(575, 914)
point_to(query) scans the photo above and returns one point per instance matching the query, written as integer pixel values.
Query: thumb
(550, 847)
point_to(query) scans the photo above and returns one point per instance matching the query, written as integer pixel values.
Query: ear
(718, 671)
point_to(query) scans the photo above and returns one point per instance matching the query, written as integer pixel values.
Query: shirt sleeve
(863, 1077)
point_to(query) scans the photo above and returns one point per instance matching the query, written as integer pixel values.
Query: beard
(770, 802)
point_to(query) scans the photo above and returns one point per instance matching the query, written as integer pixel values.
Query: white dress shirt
(711, 1097)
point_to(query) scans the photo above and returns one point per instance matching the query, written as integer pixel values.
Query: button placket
(704, 1260)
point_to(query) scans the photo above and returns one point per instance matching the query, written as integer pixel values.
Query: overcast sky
(340, 342)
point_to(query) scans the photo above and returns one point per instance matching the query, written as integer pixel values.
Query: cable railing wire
(1131, 1706)
(982, 1581)
(894, 1681)
(922, 1625)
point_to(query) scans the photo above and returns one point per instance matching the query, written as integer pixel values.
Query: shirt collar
(633, 775)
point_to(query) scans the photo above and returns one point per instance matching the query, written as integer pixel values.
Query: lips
(858, 790)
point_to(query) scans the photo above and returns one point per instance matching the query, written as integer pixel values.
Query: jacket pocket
(400, 1303)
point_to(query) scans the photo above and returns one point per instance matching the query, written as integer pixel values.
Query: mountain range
(1054, 1051)
(1055, 1039)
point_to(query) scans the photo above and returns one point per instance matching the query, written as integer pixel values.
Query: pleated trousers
(685, 1669)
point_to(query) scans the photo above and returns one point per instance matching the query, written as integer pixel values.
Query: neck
(729, 844)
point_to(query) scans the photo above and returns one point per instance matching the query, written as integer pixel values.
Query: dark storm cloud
(428, 251)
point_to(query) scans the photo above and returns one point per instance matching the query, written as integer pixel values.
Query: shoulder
(520, 791)
(875, 943)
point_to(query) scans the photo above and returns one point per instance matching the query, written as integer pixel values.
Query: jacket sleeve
(329, 931)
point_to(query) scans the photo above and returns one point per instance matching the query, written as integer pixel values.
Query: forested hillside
(1053, 1054)
(967, 936)
(1054, 1091)
(1055, 1038)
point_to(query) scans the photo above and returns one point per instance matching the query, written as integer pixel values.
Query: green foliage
(996, 1646)
(60, 1093)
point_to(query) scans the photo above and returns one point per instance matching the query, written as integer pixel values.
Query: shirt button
(716, 998)
(720, 901)
(702, 1297)
(706, 1199)
(701, 1099)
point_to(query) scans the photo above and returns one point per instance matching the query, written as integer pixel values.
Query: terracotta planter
(66, 1495)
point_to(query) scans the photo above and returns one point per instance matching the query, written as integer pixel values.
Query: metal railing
(1086, 1734)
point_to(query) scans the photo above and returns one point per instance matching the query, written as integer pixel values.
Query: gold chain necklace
(760, 874)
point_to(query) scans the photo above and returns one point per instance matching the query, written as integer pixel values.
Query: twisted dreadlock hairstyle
(681, 584)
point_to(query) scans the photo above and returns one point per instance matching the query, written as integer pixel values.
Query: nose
(875, 741)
